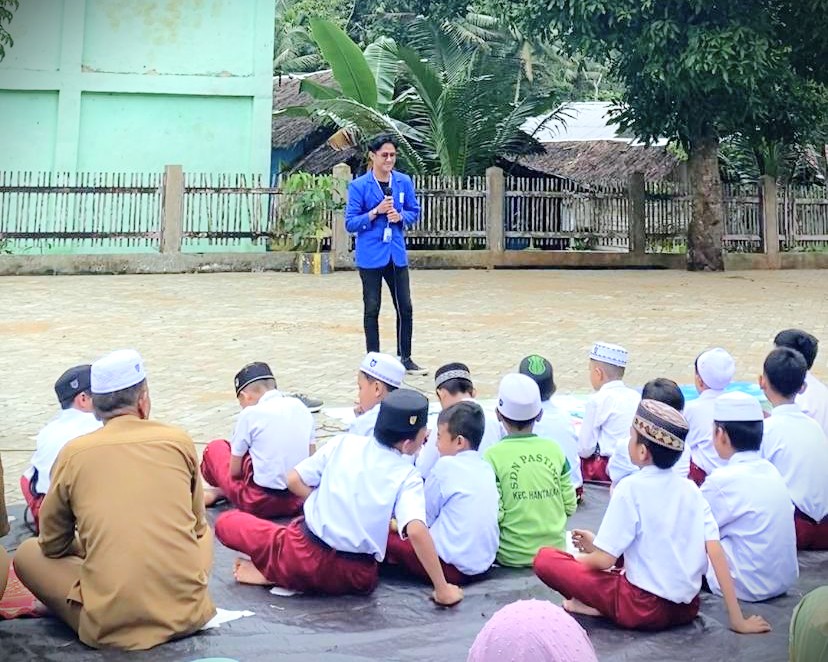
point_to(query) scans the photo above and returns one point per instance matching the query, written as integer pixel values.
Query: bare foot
(212, 495)
(246, 573)
(574, 606)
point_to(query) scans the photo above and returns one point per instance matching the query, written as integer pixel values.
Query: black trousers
(397, 280)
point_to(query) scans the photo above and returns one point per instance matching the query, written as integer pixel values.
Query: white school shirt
(660, 523)
(556, 424)
(67, 425)
(754, 513)
(608, 418)
(462, 504)
(363, 425)
(814, 401)
(428, 455)
(795, 444)
(360, 485)
(699, 415)
(276, 431)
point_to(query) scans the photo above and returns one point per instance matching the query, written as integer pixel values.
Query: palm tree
(451, 104)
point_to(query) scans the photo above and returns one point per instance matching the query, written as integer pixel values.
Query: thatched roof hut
(598, 160)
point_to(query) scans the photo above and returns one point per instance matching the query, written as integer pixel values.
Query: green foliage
(305, 207)
(458, 105)
(6, 9)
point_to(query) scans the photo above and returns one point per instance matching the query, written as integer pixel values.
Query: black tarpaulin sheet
(398, 622)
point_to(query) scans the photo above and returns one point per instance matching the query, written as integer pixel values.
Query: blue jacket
(365, 193)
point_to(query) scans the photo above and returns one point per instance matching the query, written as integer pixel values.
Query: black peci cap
(252, 372)
(72, 382)
(403, 413)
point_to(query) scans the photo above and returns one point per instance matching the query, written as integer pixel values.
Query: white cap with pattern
(117, 371)
(716, 368)
(607, 353)
(383, 367)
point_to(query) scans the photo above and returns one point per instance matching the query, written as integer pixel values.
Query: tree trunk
(704, 235)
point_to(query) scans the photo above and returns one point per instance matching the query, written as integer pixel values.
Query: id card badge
(386, 235)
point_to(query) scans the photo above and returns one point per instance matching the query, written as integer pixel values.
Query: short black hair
(464, 418)
(108, 405)
(373, 379)
(744, 435)
(785, 369)
(663, 457)
(69, 402)
(518, 425)
(456, 385)
(664, 390)
(390, 439)
(802, 341)
(378, 141)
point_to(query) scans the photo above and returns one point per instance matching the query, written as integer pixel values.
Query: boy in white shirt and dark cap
(751, 505)
(379, 375)
(814, 398)
(608, 413)
(453, 384)
(714, 370)
(273, 434)
(461, 502)
(353, 486)
(76, 419)
(795, 444)
(554, 423)
(662, 526)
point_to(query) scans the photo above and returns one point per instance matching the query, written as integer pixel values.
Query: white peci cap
(737, 406)
(117, 371)
(383, 367)
(716, 368)
(518, 397)
(607, 353)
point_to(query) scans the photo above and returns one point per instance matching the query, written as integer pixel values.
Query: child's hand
(582, 539)
(448, 596)
(751, 625)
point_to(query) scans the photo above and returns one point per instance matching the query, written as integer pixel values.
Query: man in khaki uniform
(5, 560)
(125, 551)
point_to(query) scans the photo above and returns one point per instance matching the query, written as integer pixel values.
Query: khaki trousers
(50, 579)
(5, 562)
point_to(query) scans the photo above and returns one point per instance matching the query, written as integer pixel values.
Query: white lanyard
(390, 183)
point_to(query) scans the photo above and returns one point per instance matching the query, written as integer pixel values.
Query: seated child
(379, 375)
(661, 525)
(353, 486)
(795, 444)
(814, 399)
(461, 502)
(664, 390)
(751, 505)
(714, 370)
(76, 419)
(453, 384)
(608, 413)
(533, 477)
(272, 435)
(554, 423)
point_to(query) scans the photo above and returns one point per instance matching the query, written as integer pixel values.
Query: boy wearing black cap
(353, 486)
(453, 384)
(662, 526)
(273, 434)
(75, 420)
(554, 423)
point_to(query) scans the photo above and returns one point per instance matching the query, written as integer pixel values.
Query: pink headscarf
(530, 631)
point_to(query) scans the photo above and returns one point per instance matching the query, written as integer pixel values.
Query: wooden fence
(178, 212)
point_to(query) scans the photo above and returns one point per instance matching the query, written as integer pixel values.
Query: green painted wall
(132, 85)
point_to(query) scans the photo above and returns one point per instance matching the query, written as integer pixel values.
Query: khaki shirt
(4, 518)
(133, 493)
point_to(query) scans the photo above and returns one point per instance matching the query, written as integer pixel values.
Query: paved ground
(196, 331)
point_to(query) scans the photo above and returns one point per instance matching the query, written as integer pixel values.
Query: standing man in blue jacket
(381, 205)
